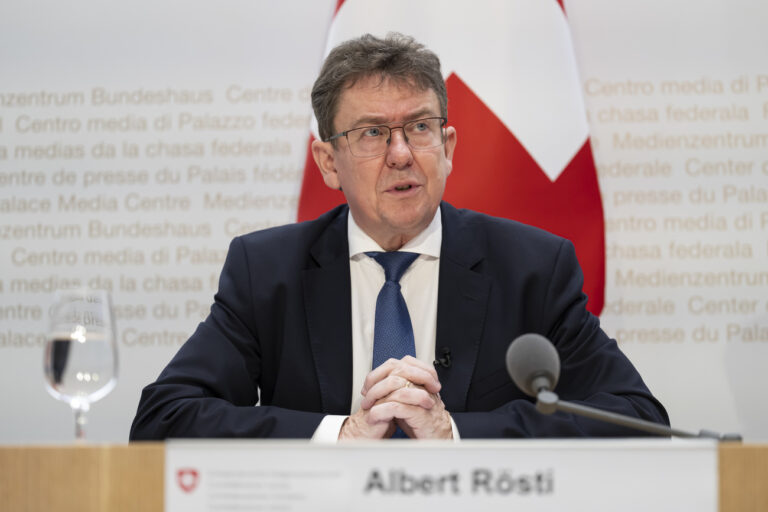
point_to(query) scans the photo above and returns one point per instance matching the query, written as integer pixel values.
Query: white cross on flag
(510, 68)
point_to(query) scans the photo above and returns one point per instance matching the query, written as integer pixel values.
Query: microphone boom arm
(547, 402)
(534, 365)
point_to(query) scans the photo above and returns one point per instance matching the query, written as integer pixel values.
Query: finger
(430, 368)
(381, 413)
(410, 377)
(410, 394)
(380, 372)
(388, 411)
(396, 366)
(413, 396)
(413, 373)
(357, 426)
(426, 424)
(418, 376)
(383, 388)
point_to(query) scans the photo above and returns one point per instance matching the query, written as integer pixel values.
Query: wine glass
(81, 351)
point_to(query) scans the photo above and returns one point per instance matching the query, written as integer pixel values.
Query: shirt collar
(427, 242)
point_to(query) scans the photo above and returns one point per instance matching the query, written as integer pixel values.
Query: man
(298, 322)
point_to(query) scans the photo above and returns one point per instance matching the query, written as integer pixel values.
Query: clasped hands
(400, 393)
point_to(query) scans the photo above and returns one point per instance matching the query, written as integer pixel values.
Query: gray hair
(396, 57)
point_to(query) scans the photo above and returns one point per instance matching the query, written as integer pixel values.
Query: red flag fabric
(514, 97)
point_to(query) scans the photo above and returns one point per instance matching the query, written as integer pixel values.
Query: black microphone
(444, 361)
(534, 365)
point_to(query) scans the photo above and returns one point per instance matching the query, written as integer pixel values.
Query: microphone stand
(547, 402)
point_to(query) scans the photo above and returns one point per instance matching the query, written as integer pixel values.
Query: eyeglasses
(368, 141)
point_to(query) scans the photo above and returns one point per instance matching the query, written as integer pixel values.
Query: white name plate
(471, 476)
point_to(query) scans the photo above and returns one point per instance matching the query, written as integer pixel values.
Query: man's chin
(410, 223)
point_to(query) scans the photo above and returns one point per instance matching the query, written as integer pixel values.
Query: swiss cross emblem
(187, 478)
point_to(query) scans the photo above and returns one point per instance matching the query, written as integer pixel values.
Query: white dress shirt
(419, 288)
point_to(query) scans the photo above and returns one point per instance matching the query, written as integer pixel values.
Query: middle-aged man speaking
(328, 329)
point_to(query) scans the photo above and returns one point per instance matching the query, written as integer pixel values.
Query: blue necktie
(392, 329)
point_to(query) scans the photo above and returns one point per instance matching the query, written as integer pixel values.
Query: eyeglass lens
(373, 140)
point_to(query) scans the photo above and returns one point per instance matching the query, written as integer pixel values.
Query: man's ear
(323, 154)
(450, 145)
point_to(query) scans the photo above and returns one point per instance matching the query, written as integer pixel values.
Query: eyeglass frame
(443, 123)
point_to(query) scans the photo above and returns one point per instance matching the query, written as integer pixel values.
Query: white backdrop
(137, 140)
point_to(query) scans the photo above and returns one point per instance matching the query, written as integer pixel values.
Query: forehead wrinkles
(404, 86)
(383, 79)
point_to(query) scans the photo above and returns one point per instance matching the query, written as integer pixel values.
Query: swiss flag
(514, 97)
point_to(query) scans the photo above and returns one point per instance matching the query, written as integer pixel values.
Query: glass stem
(80, 408)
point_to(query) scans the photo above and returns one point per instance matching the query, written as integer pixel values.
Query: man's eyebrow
(369, 120)
(377, 120)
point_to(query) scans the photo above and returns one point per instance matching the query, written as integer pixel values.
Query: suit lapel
(461, 310)
(461, 305)
(329, 316)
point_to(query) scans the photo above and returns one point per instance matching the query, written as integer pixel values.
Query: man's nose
(399, 153)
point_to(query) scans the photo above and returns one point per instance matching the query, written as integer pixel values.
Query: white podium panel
(537, 475)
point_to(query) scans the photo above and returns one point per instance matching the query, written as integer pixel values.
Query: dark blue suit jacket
(281, 324)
